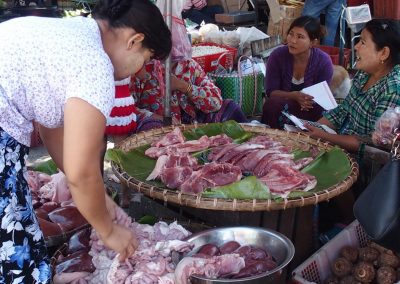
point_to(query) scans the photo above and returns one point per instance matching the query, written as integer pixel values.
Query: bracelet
(189, 89)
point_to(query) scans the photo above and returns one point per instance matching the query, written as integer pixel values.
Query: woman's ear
(385, 53)
(136, 38)
(314, 42)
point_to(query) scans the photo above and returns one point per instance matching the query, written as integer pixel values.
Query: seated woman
(375, 88)
(291, 68)
(194, 98)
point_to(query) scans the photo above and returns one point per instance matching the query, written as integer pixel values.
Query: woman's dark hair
(310, 24)
(141, 15)
(386, 32)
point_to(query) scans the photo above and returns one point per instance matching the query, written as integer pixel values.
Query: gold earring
(382, 61)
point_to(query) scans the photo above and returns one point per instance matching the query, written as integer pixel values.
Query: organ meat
(67, 217)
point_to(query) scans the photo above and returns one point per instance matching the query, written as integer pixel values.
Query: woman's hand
(305, 101)
(178, 84)
(122, 240)
(315, 132)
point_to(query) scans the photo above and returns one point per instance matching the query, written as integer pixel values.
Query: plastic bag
(231, 38)
(386, 127)
(247, 35)
(181, 46)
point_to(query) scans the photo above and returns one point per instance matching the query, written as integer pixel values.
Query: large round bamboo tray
(296, 140)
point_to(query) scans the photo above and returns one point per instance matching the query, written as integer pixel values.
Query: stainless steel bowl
(279, 246)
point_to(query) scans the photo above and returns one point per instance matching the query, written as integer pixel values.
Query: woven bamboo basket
(297, 140)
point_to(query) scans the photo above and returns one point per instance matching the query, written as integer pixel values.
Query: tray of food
(228, 166)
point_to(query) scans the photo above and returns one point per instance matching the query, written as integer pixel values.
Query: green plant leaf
(230, 128)
(135, 163)
(248, 188)
(148, 219)
(329, 168)
(47, 167)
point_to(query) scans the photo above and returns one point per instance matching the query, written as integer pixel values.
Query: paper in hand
(322, 95)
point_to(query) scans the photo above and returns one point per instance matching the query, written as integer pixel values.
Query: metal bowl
(279, 246)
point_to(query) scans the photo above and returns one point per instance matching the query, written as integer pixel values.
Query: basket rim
(197, 201)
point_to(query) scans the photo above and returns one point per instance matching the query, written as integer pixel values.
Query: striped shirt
(361, 109)
(196, 4)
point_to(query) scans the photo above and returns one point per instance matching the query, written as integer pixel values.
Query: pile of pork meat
(269, 160)
(87, 261)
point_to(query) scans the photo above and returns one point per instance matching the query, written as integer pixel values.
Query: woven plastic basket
(244, 89)
(295, 140)
(317, 268)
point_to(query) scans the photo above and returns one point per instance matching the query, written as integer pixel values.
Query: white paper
(322, 95)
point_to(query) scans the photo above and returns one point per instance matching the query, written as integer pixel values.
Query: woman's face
(129, 61)
(368, 58)
(298, 41)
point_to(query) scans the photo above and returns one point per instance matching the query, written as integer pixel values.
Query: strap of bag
(241, 83)
(222, 56)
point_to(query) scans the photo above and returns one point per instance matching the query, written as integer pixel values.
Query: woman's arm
(349, 142)
(84, 128)
(200, 89)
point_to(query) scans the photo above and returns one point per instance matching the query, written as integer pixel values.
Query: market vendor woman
(375, 88)
(293, 67)
(61, 73)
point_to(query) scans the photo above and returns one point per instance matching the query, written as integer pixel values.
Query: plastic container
(209, 62)
(317, 267)
(334, 54)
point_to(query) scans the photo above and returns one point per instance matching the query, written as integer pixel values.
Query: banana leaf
(47, 167)
(230, 128)
(135, 163)
(248, 188)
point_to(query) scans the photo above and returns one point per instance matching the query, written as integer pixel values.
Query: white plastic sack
(181, 46)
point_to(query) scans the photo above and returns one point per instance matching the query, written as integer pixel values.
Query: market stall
(290, 215)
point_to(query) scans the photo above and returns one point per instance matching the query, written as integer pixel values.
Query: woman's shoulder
(280, 51)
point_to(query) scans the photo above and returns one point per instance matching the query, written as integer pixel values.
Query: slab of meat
(211, 175)
(282, 179)
(174, 177)
(263, 166)
(242, 148)
(220, 139)
(171, 138)
(171, 161)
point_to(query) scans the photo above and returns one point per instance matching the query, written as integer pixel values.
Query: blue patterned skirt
(23, 254)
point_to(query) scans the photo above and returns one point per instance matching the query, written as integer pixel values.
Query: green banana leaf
(248, 188)
(230, 128)
(47, 167)
(135, 163)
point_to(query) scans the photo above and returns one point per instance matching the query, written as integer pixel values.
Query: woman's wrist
(189, 89)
